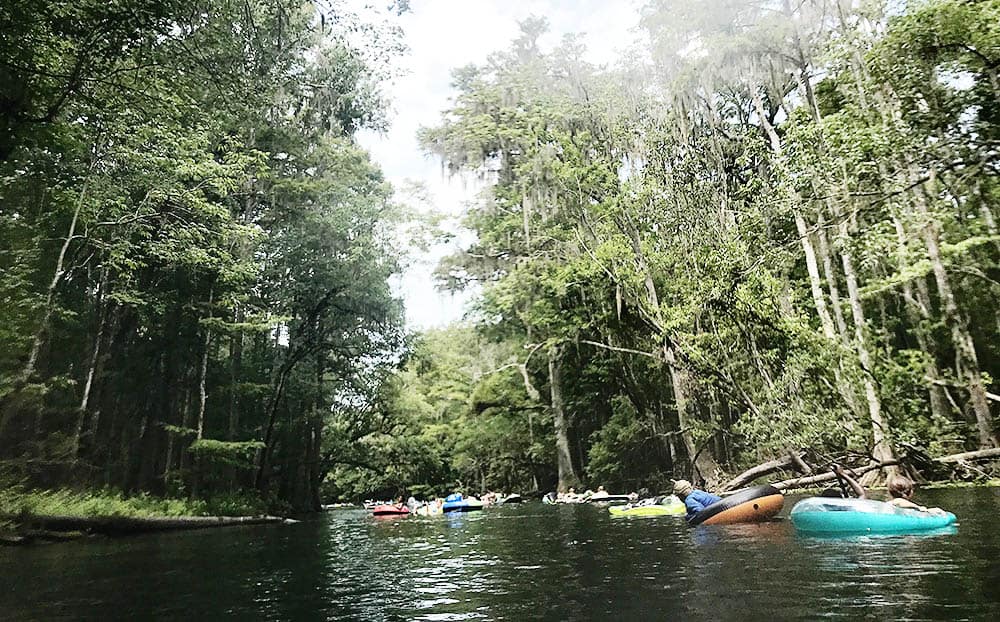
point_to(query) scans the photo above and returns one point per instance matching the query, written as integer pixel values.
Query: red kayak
(390, 510)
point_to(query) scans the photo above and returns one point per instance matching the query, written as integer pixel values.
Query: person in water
(568, 497)
(900, 491)
(694, 500)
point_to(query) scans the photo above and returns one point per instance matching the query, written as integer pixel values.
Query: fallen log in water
(981, 454)
(956, 459)
(12, 539)
(121, 525)
(805, 482)
(791, 459)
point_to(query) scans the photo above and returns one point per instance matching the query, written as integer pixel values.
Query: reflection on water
(514, 563)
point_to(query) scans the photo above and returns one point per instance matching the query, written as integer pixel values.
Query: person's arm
(906, 504)
(693, 505)
(857, 488)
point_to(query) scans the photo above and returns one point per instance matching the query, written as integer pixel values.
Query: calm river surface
(516, 563)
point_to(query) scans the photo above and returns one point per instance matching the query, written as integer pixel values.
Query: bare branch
(618, 349)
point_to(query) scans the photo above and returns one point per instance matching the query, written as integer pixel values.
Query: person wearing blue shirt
(694, 500)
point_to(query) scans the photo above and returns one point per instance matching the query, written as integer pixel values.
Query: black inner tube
(732, 501)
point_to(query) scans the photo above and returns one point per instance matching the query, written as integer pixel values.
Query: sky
(443, 35)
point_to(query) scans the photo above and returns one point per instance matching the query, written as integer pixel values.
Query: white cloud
(443, 35)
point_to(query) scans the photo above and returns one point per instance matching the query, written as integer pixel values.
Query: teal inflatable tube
(823, 515)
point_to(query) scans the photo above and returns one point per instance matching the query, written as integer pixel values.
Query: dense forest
(194, 252)
(769, 227)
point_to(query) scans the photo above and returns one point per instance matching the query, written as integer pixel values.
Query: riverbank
(29, 516)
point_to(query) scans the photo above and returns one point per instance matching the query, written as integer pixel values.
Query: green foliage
(454, 417)
(96, 503)
(237, 454)
(619, 451)
(796, 260)
(241, 503)
(64, 502)
(191, 242)
(180, 431)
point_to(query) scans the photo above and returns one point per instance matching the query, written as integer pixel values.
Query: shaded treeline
(194, 254)
(772, 226)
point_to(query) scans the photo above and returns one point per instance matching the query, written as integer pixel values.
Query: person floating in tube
(900, 490)
(694, 500)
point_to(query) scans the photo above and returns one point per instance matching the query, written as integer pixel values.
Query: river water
(516, 563)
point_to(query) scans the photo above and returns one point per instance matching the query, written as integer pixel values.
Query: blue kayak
(457, 503)
(829, 515)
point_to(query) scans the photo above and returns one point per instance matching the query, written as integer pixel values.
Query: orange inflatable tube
(755, 511)
(752, 505)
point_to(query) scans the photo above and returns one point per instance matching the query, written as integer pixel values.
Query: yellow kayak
(670, 506)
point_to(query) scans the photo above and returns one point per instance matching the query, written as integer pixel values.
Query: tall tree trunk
(235, 365)
(703, 464)
(60, 270)
(203, 373)
(316, 474)
(846, 390)
(95, 357)
(830, 272)
(985, 208)
(965, 347)
(815, 282)
(702, 461)
(564, 461)
(95, 404)
(917, 306)
(185, 456)
(38, 339)
(202, 399)
(315, 439)
(812, 266)
(881, 450)
(260, 480)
